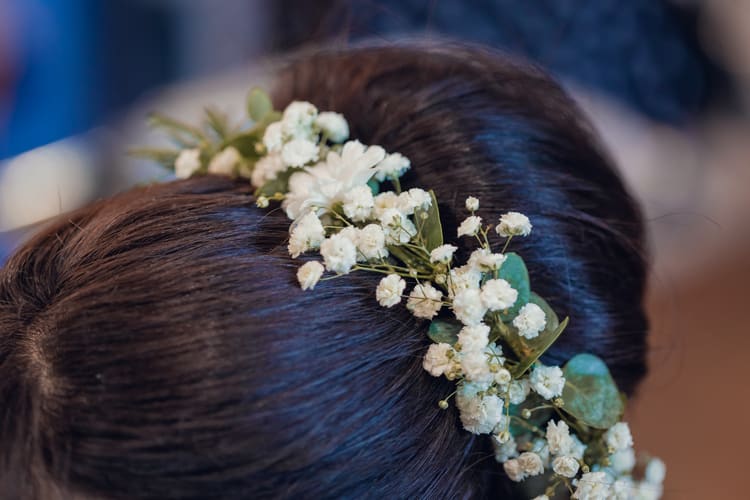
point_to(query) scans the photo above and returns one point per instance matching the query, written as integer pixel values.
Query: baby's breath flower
(334, 125)
(474, 338)
(502, 376)
(472, 204)
(479, 414)
(398, 228)
(558, 438)
(513, 224)
(530, 321)
(618, 437)
(504, 450)
(392, 166)
(531, 463)
(225, 162)
(389, 290)
(518, 391)
(464, 278)
(307, 233)
(358, 203)
(339, 253)
(384, 201)
(486, 261)
(497, 294)
(565, 466)
(622, 461)
(309, 274)
(414, 199)
(475, 367)
(298, 120)
(437, 361)
(266, 169)
(470, 226)
(593, 486)
(371, 242)
(513, 470)
(188, 162)
(547, 381)
(272, 137)
(424, 301)
(656, 471)
(468, 307)
(299, 152)
(443, 254)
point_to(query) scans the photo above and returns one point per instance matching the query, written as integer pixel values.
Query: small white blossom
(414, 199)
(503, 376)
(384, 201)
(371, 242)
(468, 306)
(339, 253)
(486, 261)
(530, 321)
(518, 391)
(472, 204)
(437, 361)
(358, 203)
(618, 437)
(513, 470)
(593, 486)
(547, 381)
(267, 169)
(424, 301)
(558, 438)
(504, 451)
(622, 461)
(225, 162)
(307, 233)
(392, 166)
(309, 274)
(539, 446)
(298, 119)
(513, 224)
(565, 466)
(389, 290)
(656, 471)
(474, 338)
(531, 463)
(299, 152)
(399, 229)
(649, 491)
(497, 295)
(470, 226)
(479, 415)
(334, 125)
(188, 162)
(272, 137)
(475, 367)
(443, 254)
(464, 278)
(624, 489)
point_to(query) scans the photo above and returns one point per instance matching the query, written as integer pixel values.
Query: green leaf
(428, 222)
(259, 105)
(182, 133)
(374, 186)
(514, 272)
(590, 393)
(444, 331)
(244, 143)
(408, 258)
(278, 185)
(218, 122)
(538, 418)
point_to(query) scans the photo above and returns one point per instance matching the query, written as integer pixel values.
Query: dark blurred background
(666, 83)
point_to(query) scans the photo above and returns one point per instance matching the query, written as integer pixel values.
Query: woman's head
(157, 345)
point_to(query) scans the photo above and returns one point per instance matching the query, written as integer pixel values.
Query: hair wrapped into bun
(157, 345)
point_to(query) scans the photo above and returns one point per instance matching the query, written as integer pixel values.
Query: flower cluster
(488, 328)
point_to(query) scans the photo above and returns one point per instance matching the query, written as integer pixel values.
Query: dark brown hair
(156, 344)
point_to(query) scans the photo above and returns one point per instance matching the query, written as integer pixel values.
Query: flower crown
(488, 327)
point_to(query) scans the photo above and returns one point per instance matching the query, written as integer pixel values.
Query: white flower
(394, 165)
(513, 224)
(389, 290)
(334, 125)
(468, 307)
(539, 446)
(503, 376)
(565, 466)
(298, 120)
(558, 438)
(443, 254)
(475, 367)
(437, 361)
(649, 491)
(272, 137)
(504, 451)
(470, 226)
(486, 261)
(593, 486)
(513, 470)
(384, 201)
(358, 203)
(339, 253)
(371, 242)
(266, 169)
(656, 471)
(309, 274)
(472, 204)
(187, 163)
(324, 184)
(518, 391)
(578, 448)
(299, 152)
(306, 234)
(424, 301)
(464, 278)
(224, 163)
(623, 489)
(497, 294)
(547, 381)
(398, 228)
(618, 437)
(479, 415)
(530, 321)
(474, 338)
(494, 354)
(531, 463)
(622, 461)
(414, 199)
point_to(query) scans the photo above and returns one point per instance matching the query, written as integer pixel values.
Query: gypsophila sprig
(488, 328)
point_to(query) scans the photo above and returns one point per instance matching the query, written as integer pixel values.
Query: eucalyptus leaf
(444, 331)
(590, 393)
(530, 350)
(428, 222)
(259, 105)
(514, 272)
(374, 186)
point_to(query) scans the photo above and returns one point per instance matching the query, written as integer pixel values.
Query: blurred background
(666, 82)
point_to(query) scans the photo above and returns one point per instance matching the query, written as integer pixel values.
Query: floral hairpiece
(487, 326)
